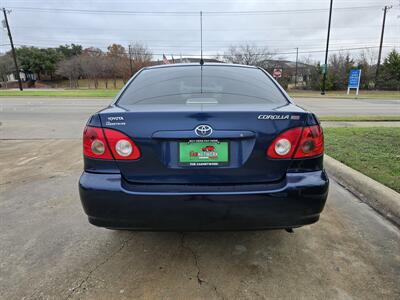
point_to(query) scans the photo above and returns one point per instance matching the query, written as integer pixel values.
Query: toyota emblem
(203, 130)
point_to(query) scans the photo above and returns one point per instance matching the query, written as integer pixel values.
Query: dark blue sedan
(203, 147)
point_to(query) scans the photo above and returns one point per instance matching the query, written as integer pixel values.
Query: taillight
(298, 142)
(311, 143)
(285, 144)
(122, 147)
(95, 144)
(108, 144)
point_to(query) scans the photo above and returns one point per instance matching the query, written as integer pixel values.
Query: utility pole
(12, 49)
(295, 73)
(380, 45)
(201, 38)
(326, 51)
(130, 58)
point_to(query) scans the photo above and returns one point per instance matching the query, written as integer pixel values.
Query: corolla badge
(273, 117)
(203, 130)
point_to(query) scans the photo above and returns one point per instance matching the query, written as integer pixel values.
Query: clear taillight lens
(122, 147)
(98, 147)
(284, 145)
(108, 144)
(94, 143)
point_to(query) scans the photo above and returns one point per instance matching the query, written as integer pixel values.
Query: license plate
(203, 153)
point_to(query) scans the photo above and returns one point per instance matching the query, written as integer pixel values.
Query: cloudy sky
(172, 27)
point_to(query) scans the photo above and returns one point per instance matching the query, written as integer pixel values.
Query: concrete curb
(383, 199)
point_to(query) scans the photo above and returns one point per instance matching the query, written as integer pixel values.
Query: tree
(68, 51)
(117, 60)
(141, 57)
(92, 62)
(50, 58)
(365, 62)
(338, 70)
(72, 69)
(116, 50)
(38, 60)
(105, 67)
(248, 55)
(6, 67)
(29, 59)
(313, 80)
(390, 75)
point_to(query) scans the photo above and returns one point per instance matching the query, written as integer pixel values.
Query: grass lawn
(60, 90)
(61, 93)
(360, 118)
(84, 84)
(373, 151)
(343, 94)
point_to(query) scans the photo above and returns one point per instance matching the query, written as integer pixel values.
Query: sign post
(323, 69)
(354, 80)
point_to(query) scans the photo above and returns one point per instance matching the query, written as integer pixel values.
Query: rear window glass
(201, 85)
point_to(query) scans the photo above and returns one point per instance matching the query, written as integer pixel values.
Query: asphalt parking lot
(49, 251)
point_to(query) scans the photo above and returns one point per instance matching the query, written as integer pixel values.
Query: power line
(257, 54)
(267, 29)
(210, 42)
(189, 13)
(223, 47)
(312, 10)
(226, 48)
(162, 47)
(199, 1)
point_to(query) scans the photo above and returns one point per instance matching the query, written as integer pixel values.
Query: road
(49, 251)
(47, 117)
(350, 107)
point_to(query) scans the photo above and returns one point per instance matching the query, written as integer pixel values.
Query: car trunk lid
(245, 133)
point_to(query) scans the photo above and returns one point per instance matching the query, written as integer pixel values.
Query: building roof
(285, 64)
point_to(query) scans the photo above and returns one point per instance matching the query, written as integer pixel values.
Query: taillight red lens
(122, 147)
(292, 136)
(298, 142)
(311, 143)
(108, 144)
(94, 143)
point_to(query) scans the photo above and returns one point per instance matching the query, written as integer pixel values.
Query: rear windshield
(202, 85)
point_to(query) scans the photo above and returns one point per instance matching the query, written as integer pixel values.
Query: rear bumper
(111, 202)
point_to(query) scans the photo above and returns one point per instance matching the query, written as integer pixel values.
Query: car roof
(197, 64)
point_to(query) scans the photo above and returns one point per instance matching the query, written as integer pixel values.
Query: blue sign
(354, 79)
